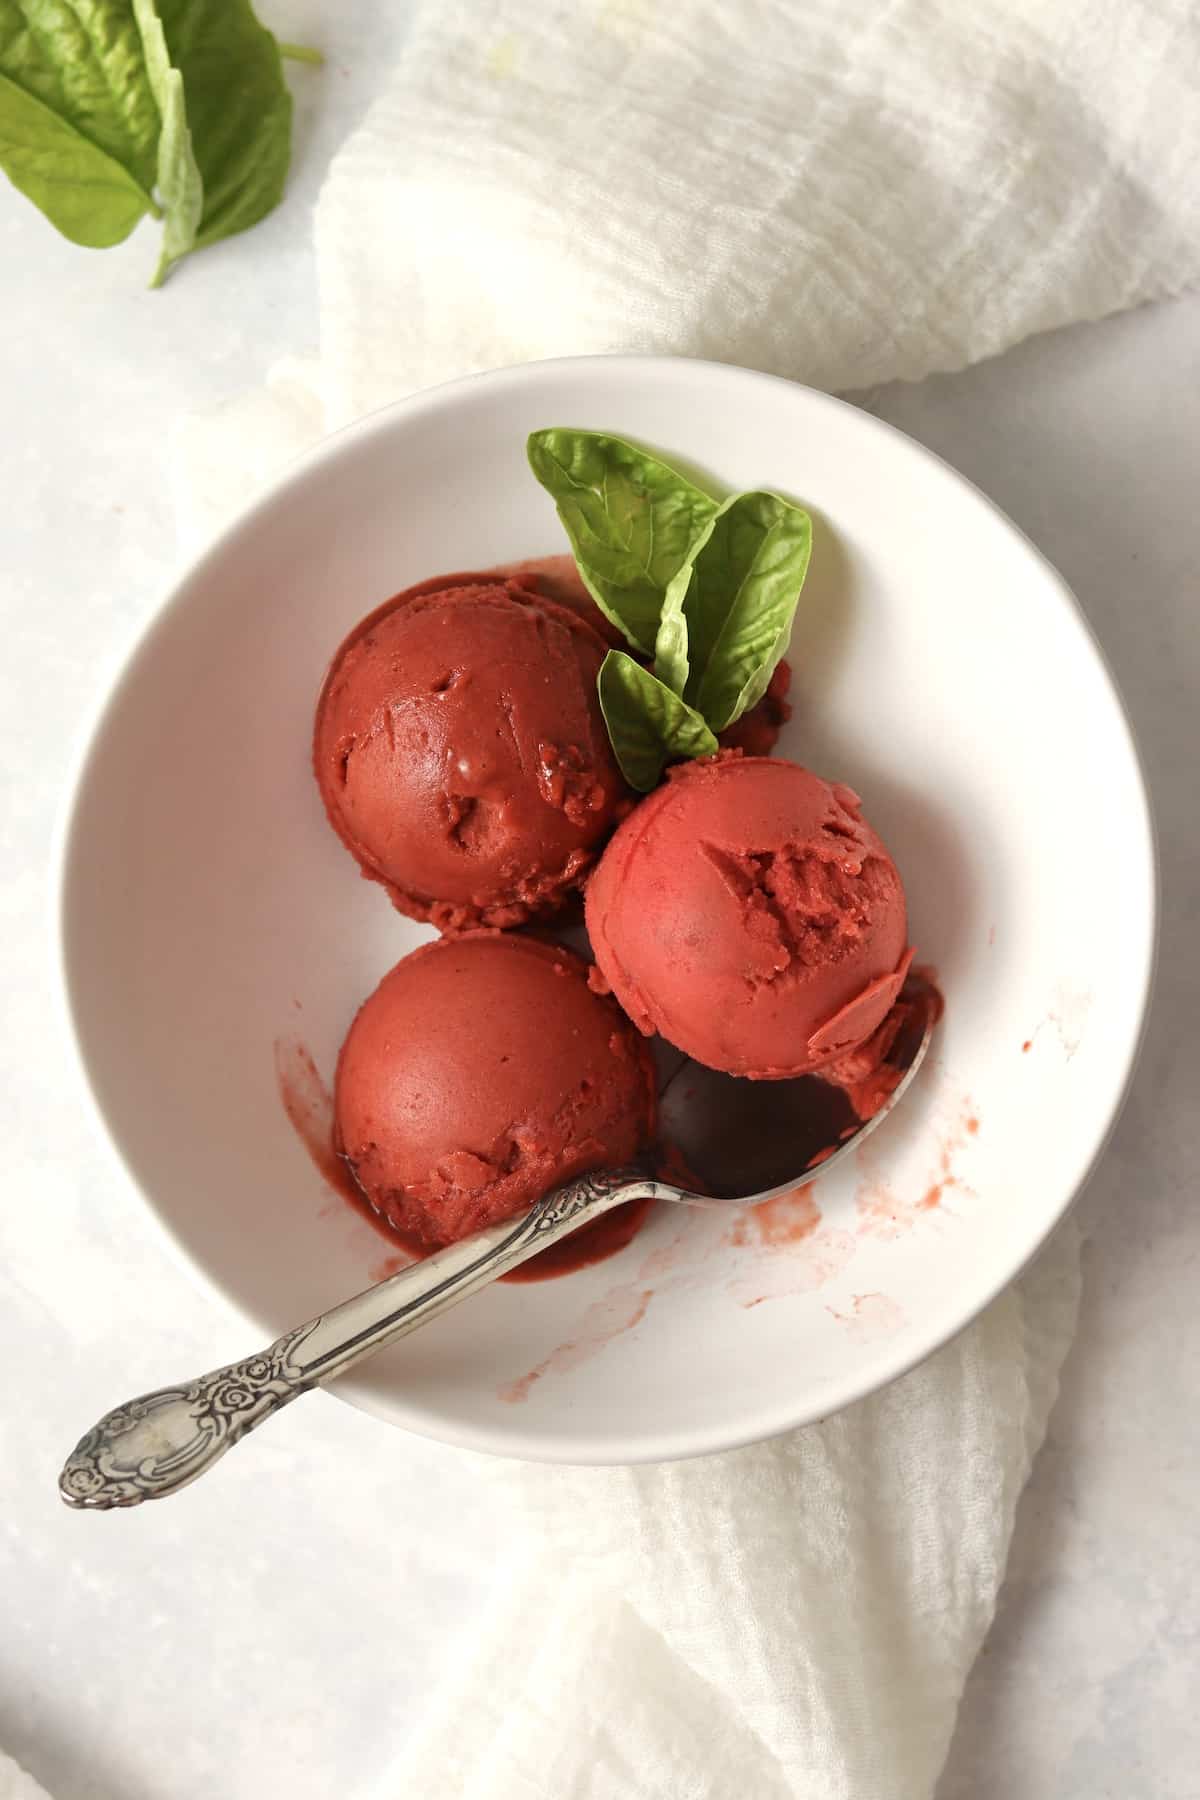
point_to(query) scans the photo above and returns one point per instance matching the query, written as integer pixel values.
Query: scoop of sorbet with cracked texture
(482, 1072)
(748, 913)
(461, 752)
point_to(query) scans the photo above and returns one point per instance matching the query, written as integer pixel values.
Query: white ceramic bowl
(941, 668)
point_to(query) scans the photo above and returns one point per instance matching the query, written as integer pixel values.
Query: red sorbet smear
(866, 1075)
(748, 913)
(592, 1243)
(481, 1073)
(461, 752)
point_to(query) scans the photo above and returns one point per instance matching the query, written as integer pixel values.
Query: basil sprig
(708, 588)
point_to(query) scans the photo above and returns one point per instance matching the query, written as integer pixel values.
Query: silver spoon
(152, 1446)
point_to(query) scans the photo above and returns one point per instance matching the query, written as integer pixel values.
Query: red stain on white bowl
(781, 1277)
(787, 1219)
(616, 1312)
(803, 1253)
(883, 1210)
(872, 1317)
(661, 1264)
(671, 1266)
(308, 1103)
(953, 1141)
(1066, 1021)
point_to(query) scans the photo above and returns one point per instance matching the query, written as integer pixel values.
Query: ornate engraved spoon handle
(152, 1446)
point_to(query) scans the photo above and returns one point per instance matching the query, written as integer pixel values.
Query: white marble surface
(277, 1631)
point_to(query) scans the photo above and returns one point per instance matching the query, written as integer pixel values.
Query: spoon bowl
(765, 1136)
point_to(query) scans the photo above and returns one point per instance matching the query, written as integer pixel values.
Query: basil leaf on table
(112, 109)
(741, 594)
(647, 723)
(79, 127)
(178, 181)
(631, 521)
(239, 110)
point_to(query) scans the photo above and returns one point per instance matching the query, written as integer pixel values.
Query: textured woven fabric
(840, 191)
(793, 1619)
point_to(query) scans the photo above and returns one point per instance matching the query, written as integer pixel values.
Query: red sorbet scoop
(462, 756)
(748, 913)
(482, 1072)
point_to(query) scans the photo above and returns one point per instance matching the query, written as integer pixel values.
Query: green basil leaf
(672, 648)
(631, 521)
(85, 194)
(743, 587)
(79, 127)
(648, 725)
(180, 189)
(238, 106)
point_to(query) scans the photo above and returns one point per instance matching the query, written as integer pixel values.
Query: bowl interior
(212, 923)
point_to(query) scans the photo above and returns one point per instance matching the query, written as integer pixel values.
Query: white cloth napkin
(796, 1618)
(15, 1784)
(837, 190)
(845, 194)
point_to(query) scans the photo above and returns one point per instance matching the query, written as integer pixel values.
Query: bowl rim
(874, 1371)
